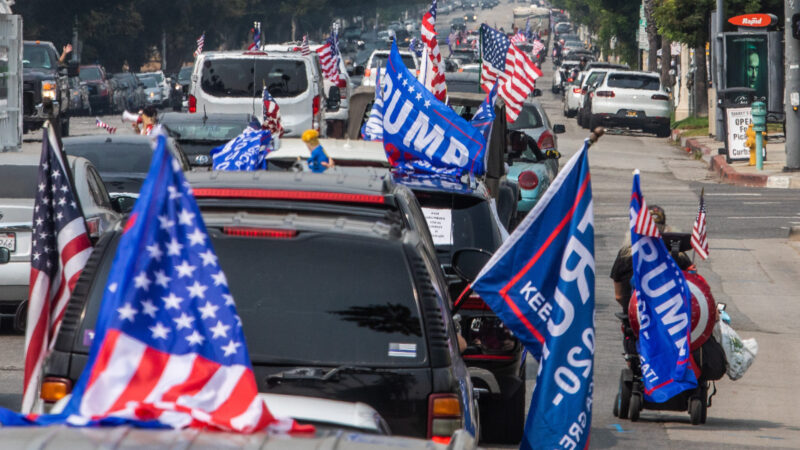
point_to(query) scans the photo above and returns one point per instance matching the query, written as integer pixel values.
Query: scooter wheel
(696, 410)
(624, 395)
(635, 407)
(616, 406)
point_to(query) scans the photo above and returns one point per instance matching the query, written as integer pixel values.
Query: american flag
(431, 73)
(304, 49)
(329, 60)
(518, 38)
(645, 225)
(256, 44)
(271, 117)
(699, 237)
(538, 46)
(200, 42)
(168, 343)
(105, 126)
(502, 61)
(59, 250)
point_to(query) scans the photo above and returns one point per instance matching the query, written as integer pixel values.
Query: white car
(587, 81)
(162, 82)
(378, 58)
(152, 91)
(635, 100)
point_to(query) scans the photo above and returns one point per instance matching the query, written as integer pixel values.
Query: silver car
(20, 172)
(152, 91)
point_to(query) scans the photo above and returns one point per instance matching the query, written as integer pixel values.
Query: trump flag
(540, 283)
(664, 310)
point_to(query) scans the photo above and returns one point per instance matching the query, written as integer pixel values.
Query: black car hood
(30, 74)
(123, 184)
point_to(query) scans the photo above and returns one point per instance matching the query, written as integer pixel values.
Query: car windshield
(157, 76)
(211, 130)
(37, 57)
(149, 82)
(113, 158)
(185, 74)
(306, 314)
(379, 59)
(633, 81)
(90, 73)
(528, 118)
(470, 218)
(462, 85)
(229, 77)
(18, 181)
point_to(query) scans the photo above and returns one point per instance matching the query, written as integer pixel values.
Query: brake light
(609, 94)
(192, 104)
(474, 302)
(259, 232)
(54, 389)
(576, 90)
(570, 79)
(444, 415)
(315, 105)
(368, 72)
(660, 97)
(93, 225)
(546, 142)
(267, 194)
(528, 180)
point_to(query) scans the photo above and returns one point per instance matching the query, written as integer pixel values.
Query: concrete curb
(727, 173)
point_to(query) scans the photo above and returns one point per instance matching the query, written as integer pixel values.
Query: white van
(231, 82)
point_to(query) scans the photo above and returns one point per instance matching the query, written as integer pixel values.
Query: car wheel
(503, 417)
(593, 122)
(663, 131)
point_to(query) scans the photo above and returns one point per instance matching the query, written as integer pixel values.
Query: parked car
(152, 91)
(45, 86)
(122, 162)
(592, 77)
(379, 59)
(388, 342)
(198, 134)
(134, 99)
(100, 95)
(79, 97)
(20, 175)
(634, 100)
(223, 83)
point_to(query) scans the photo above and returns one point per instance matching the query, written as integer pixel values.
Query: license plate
(632, 114)
(9, 241)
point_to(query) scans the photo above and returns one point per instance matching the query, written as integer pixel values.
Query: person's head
(149, 115)
(659, 217)
(311, 138)
(752, 66)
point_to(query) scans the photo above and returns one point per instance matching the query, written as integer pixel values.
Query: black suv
(45, 86)
(336, 306)
(493, 355)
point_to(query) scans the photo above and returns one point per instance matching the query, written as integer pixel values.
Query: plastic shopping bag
(739, 352)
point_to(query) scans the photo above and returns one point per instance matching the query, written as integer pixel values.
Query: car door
(103, 211)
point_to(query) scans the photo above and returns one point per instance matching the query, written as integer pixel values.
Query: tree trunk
(700, 82)
(666, 62)
(652, 35)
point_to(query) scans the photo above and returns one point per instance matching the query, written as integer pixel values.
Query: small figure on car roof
(319, 161)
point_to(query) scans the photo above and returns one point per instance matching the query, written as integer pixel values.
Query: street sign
(752, 20)
(737, 121)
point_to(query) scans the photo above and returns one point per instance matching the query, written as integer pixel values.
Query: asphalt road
(752, 268)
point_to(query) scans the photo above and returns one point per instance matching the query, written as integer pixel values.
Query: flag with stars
(431, 72)
(60, 248)
(503, 62)
(169, 348)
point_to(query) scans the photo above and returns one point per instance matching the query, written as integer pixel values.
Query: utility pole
(719, 61)
(792, 83)
(164, 51)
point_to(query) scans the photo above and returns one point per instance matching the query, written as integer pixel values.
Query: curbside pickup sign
(736, 122)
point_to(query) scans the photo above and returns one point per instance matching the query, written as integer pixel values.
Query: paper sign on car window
(440, 222)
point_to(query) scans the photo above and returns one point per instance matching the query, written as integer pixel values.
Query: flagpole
(480, 59)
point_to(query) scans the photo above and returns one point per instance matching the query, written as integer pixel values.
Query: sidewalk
(740, 172)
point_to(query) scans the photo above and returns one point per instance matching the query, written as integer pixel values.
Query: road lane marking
(760, 203)
(761, 217)
(619, 428)
(732, 194)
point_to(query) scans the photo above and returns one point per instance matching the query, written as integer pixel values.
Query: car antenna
(205, 116)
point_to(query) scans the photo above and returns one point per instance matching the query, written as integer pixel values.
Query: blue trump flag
(417, 125)
(663, 307)
(540, 283)
(372, 130)
(247, 151)
(484, 116)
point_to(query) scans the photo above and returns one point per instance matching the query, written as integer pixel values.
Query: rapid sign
(752, 20)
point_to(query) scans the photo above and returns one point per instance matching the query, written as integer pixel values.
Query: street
(753, 268)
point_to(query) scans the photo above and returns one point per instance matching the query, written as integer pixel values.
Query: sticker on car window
(440, 223)
(402, 350)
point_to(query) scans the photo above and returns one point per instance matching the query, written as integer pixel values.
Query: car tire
(593, 122)
(503, 418)
(663, 131)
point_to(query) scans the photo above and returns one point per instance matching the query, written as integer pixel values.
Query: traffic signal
(796, 26)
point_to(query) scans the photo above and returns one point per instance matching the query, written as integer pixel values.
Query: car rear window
(114, 157)
(380, 60)
(464, 85)
(18, 181)
(295, 308)
(529, 117)
(632, 81)
(210, 131)
(239, 77)
(90, 73)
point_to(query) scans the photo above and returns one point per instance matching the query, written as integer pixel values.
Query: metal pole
(792, 84)
(164, 51)
(719, 76)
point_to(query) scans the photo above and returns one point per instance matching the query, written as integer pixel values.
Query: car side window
(97, 188)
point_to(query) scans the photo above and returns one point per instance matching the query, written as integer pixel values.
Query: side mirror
(359, 71)
(334, 99)
(5, 255)
(537, 92)
(73, 69)
(468, 262)
(668, 90)
(559, 128)
(123, 204)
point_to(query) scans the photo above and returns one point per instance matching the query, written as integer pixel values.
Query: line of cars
(95, 91)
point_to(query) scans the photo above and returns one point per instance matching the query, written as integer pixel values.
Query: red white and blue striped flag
(271, 117)
(105, 126)
(256, 44)
(432, 70)
(59, 250)
(329, 60)
(699, 236)
(503, 62)
(304, 49)
(200, 43)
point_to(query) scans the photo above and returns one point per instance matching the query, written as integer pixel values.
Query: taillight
(93, 225)
(54, 389)
(474, 302)
(546, 142)
(528, 180)
(570, 80)
(605, 93)
(583, 91)
(576, 90)
(192, 104)
(444, 415)
(259, 232)
(268, 194)
(367, 72)
(660, 97)
(315, 105)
